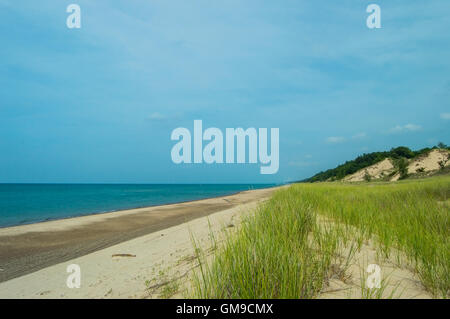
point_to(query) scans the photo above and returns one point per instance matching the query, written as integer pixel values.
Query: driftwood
(123, 255)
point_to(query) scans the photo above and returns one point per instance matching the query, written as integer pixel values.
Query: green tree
(402, 151)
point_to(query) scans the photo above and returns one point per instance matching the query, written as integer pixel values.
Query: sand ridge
(427, 163)
(430, 162)
(377, 170)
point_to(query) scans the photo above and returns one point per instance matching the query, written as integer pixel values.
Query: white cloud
(405, 128)
(359, 135)
(412, 127)
(335, 139)
(445, 116)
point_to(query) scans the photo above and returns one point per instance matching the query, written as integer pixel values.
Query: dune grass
(283, 251)
(413, 217)
(271, 255)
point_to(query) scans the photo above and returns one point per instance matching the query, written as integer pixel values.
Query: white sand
(430, 162)
(104, 276)
(377, 170)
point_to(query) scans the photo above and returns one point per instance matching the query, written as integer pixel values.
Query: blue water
(31, 203)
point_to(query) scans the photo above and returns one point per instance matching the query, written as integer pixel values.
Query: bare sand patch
(375, 171)
(430, 162)
(397, 281)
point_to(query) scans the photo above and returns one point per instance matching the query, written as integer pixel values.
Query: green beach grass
(290, 246)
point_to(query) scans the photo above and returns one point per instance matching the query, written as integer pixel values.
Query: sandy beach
(33, 258)
(138, 253)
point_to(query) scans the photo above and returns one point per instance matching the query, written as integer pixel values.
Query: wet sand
(29, 248)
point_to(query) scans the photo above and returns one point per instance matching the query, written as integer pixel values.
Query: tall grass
(272, 255)
(282, 251)
(410, 216)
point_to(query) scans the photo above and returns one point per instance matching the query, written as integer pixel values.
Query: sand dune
(429, 162)
(375, 171)
(426, 163)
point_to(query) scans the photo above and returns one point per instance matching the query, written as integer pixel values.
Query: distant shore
(28, 248)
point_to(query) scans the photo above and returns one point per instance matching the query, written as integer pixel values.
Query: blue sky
(98, 104)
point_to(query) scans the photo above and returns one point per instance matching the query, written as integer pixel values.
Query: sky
(98, 104)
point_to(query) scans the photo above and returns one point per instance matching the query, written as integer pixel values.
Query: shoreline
(25, 249)
(129, 208)
(130, 269)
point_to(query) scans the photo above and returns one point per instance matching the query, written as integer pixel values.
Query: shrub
(402, 164)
